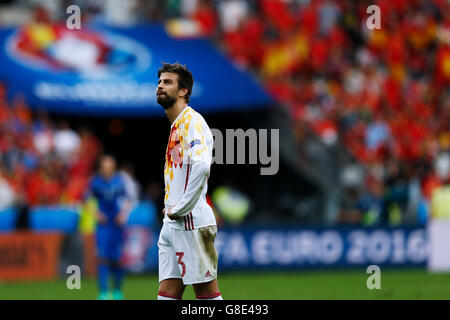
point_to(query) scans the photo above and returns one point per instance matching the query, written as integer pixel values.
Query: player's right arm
(197, 181)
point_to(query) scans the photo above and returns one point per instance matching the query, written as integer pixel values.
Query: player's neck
(107, 177)
(173, 112)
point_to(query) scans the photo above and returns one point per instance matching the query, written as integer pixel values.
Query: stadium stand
(383, 95)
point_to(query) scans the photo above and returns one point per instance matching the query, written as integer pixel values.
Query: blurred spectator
(120, 13)
(350, 212)
(232, 13)
(442, 166)
(329, 14)
(205, 15)
(41, 165)
(187, 7)
(377, 133)
(7, 194)
(440, 202)
(43, 134)
(49, 8)
(371, 202)
(67, 142)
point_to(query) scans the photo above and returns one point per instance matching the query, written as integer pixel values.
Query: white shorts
(187, 255)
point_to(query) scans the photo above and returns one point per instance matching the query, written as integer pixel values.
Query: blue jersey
(109, 194)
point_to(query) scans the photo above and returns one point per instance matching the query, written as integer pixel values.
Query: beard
(165, 101)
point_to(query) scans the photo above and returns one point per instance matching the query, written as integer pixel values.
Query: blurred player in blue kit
(109, 190)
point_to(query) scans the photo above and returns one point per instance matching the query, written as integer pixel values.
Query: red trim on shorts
(185, 226)
(192, 220)
(214, 295)
(162, 294)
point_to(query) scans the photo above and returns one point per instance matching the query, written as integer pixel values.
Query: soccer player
(113, 210)
(187, 255)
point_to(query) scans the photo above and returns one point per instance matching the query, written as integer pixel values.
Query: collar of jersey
(181, 113)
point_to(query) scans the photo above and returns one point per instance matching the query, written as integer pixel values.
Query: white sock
(165, 297)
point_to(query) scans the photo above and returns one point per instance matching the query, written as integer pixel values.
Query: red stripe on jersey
(192, 220)
(189, 223)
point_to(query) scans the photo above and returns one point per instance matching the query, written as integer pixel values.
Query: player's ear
(183, 92)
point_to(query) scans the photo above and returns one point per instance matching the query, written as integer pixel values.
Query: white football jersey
(186, 171)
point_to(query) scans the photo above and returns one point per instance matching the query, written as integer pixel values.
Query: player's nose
(159, 90)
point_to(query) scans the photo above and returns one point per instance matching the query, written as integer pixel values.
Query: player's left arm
(199, 160)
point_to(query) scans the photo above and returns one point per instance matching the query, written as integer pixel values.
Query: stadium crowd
(42, 162)
(383, 94)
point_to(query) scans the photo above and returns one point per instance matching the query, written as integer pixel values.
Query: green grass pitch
(286, 285)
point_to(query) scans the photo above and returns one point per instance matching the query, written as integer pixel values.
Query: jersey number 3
(183, 266)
